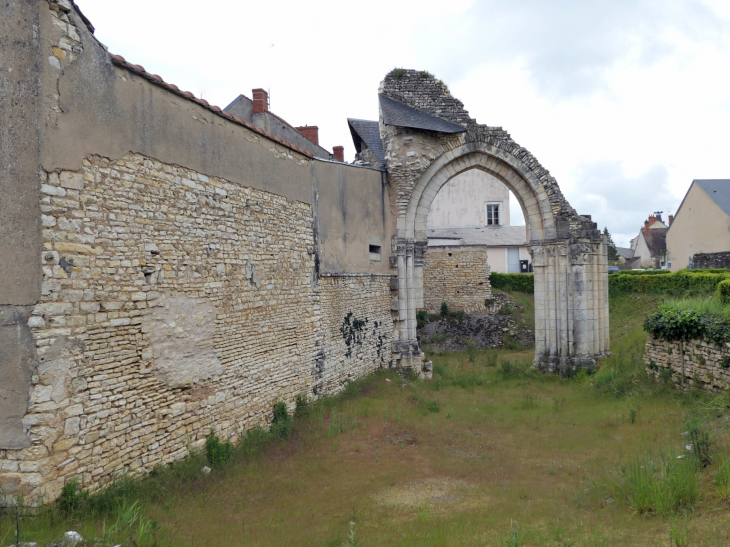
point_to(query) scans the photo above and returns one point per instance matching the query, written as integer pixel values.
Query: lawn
(487, 453)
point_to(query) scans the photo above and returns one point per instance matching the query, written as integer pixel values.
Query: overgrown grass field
(488, 453)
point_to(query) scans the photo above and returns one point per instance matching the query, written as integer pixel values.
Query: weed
(351, 539)
(701, 441)
(722, 479)
(471, 350)
(490, 359)
(632, 416)
(398, 73)
(505, 309)
(433, 406)
(678, 534)
(660, 486)
(281, 425)
(444, 309)
(528, 401)
(72, 498)
(438, 337)
(514, 538)
(425, 74)
(301, 408)
(216, 451)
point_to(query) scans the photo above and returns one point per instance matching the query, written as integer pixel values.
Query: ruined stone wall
(704, 362)
(705, 261)
(174, 303)
(357, 329)
(458, 276)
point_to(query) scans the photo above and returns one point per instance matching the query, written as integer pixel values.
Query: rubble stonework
(706, 365)
(569, 254)
(166, 311)
(708, 261)
(458, 276)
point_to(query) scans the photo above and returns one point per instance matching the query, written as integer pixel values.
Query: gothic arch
(569, 253)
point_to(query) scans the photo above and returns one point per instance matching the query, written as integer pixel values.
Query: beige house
(505, 245)
(702, 223)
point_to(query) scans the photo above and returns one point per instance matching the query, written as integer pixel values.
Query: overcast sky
(624, 101)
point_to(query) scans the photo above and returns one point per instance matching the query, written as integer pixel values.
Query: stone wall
(707, 261)
(357, 329)
(174, 303)
(458, 276)
(703, 361)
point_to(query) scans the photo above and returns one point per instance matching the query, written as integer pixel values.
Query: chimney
(311, 132)
(671, 219)
(646, 227)
(260, 101)
(339, 152)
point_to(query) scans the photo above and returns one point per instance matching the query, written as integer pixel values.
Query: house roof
(625, 252)
(718, 190)
(367, 132)
(400, 114)
(492, 236)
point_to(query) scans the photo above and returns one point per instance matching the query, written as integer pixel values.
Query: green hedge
(681, 283)
(723, 291)
(672, 324)
(513, 282)
(642, 272)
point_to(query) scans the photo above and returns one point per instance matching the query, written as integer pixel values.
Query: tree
(612, 252)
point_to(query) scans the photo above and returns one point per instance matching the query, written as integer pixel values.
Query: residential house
(701, 224)
(651, 243)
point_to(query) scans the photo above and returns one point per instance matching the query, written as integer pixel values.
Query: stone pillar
(411, 292)
(603, 272)
(419, 253)
(541, 327)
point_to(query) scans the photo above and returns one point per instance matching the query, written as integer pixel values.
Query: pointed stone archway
(428, 139)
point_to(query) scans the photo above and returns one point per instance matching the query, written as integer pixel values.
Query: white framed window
(494, 211)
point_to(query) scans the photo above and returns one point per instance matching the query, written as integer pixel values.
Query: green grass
(491, 452)
(710, 305)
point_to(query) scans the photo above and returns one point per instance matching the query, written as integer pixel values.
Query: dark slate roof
(719, 192)
(492, 236)
(402, 115)
(367, 132)
(625, 252)
(657, 241)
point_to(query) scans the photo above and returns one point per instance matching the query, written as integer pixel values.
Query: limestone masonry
(706, 365)
(168, 268)
(458, 276)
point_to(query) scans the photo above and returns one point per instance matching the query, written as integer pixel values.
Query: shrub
(398, 73)
(216, 451)
(672, 324)
(281, 424)
(505, 309)
(301, 409)
(444, 309)
(513, 282)
(683, 282)
(723, 291)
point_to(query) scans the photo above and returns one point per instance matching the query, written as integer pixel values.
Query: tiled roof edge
(157, 80)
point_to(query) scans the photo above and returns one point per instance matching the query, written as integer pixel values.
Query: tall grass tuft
(661, 486)
(722, 479)
(712, 306)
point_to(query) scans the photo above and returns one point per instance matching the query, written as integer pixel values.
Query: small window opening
(374, 252)
(492, 214)
(449, 254)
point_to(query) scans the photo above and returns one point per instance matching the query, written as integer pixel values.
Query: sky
(625, 102)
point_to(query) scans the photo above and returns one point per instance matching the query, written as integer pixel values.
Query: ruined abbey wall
(457, 275)
(189, 271)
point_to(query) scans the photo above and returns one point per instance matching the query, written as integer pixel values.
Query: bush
(216, 451)
(444, 309)
(681, 283)
(72, 497)
(513, 282)
(670, 323)
(723, 291)
(281, 424)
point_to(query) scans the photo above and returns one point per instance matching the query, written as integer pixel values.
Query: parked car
(613, 269)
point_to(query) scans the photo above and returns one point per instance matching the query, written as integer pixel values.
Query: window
(492, 214)
(374, 252)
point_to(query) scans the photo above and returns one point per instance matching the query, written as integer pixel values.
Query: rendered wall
(458, 276)
(705, 365)
(462, 201)
(699, 227)
(185, 263)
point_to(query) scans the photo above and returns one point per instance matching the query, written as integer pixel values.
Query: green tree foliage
(612, 252)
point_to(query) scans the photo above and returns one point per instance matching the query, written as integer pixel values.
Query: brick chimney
(646, 227)
(671, 219)
(311, 132)
(260, 101)
(339, 152)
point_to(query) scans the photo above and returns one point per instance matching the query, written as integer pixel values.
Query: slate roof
(625, 252)
(719, 192)
(400, 114)
(492, 236)
(367, 132)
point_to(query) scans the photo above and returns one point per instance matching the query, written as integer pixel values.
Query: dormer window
(493, 214)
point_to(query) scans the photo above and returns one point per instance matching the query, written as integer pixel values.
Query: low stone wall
(707, 261)
(703, 361)
(456, 275)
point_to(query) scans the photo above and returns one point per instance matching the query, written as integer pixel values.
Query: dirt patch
(437, 494)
